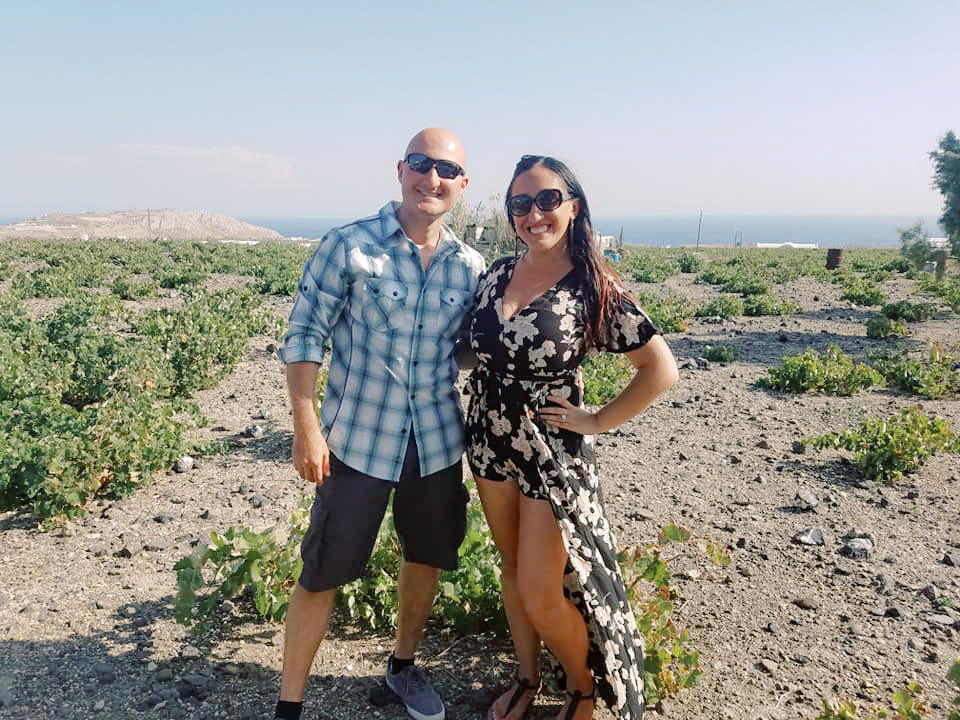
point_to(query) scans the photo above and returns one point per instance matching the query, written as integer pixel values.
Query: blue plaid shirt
(393, 328)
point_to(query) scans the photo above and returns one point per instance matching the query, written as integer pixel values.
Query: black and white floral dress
(523, 361)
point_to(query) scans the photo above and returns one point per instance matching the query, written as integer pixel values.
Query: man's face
(427, 193)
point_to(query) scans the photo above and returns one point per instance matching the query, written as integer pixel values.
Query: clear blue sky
(303, 108)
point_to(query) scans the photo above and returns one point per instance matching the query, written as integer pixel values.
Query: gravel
(86, 624)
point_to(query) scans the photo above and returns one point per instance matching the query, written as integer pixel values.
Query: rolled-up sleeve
(321, 297)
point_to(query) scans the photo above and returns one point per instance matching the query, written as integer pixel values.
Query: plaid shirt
(393, 328)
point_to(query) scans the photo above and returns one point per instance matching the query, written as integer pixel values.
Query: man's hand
(311, 456)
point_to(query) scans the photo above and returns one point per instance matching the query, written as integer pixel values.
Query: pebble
(768, 666)
(805, 500)
(807, 602)
(253, 431)
(810, 536)
(857, 548)
(190, 651)
(184, 464)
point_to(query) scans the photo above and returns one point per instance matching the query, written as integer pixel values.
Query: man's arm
(311, 456)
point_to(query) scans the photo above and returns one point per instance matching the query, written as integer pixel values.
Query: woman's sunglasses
(446, 169)
(546, 200)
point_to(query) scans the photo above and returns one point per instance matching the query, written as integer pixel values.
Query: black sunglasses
(546, 200)
(446, 169)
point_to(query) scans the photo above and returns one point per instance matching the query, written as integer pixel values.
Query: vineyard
(149, 515)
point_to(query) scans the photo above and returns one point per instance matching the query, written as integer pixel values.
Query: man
(390, 292)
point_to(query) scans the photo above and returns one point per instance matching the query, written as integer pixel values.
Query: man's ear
(400, 170)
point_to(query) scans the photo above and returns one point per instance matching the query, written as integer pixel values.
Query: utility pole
(698, 227)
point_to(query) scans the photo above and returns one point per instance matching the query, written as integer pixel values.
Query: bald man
(390, 292)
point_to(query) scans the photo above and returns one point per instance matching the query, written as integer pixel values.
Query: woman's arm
(656, 372)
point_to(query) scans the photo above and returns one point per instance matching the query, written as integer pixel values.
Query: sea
(825, 231)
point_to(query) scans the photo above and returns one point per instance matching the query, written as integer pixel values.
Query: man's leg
(429, 514)
(416, 588)
(344, 522)
(307, 620)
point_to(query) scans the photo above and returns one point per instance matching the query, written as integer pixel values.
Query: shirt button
(403, 432)
(412, 397)
(420, 327)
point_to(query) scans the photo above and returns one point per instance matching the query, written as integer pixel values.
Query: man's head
(432, 173)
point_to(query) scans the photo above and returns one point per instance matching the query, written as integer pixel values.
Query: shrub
(766, 304)
(753, 283)
(129, 288)
(833, 373)
(242, 560)
(949, 290)
(719, 353)
(880, 326)
(725, 306)
(670, 314)
(863, 292)
(885, 450)
(647, 267)
(934, 376)
(689, 263)
(669, 663)
(264, 568)
(908, 704)
(82, 412)
(604, 376)
(908, 311)
(207, 336)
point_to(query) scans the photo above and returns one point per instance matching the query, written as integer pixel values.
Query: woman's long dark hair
(602, 288)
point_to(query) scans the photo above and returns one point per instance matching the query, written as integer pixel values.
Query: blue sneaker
(416, 692)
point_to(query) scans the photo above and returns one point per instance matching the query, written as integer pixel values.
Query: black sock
(287, 710)
(396, 665)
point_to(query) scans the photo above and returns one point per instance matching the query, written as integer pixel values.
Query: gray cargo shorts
(429, 515)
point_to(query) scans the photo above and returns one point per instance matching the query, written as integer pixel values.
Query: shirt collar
(392, 231)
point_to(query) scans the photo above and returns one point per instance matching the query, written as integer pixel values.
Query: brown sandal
(523, 685)
(575, 697)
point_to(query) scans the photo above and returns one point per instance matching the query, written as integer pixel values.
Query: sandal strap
(575, 697)
(523, 685)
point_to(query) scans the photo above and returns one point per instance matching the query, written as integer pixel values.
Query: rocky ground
(86, 626)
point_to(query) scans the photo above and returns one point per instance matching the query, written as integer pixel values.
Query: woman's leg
(500, 504)
(541, 559)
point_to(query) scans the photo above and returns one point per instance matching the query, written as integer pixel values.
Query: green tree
(946, 178)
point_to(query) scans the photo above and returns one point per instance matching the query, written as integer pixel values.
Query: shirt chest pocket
(383, 304)
(446, 310)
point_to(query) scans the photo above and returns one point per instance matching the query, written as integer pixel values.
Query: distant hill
(139, 225)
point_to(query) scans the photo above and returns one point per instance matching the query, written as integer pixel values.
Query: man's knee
(314, 599)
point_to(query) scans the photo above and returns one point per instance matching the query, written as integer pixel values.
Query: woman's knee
(539, 601)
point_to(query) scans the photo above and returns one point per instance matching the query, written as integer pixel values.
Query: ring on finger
(563, 418)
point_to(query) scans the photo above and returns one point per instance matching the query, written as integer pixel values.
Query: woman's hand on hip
(566, 416)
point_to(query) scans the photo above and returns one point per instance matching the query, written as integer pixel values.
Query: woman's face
(543, 230)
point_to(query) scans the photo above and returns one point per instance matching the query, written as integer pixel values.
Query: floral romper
(523, 361)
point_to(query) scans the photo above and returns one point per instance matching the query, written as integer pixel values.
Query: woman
(529, 444)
